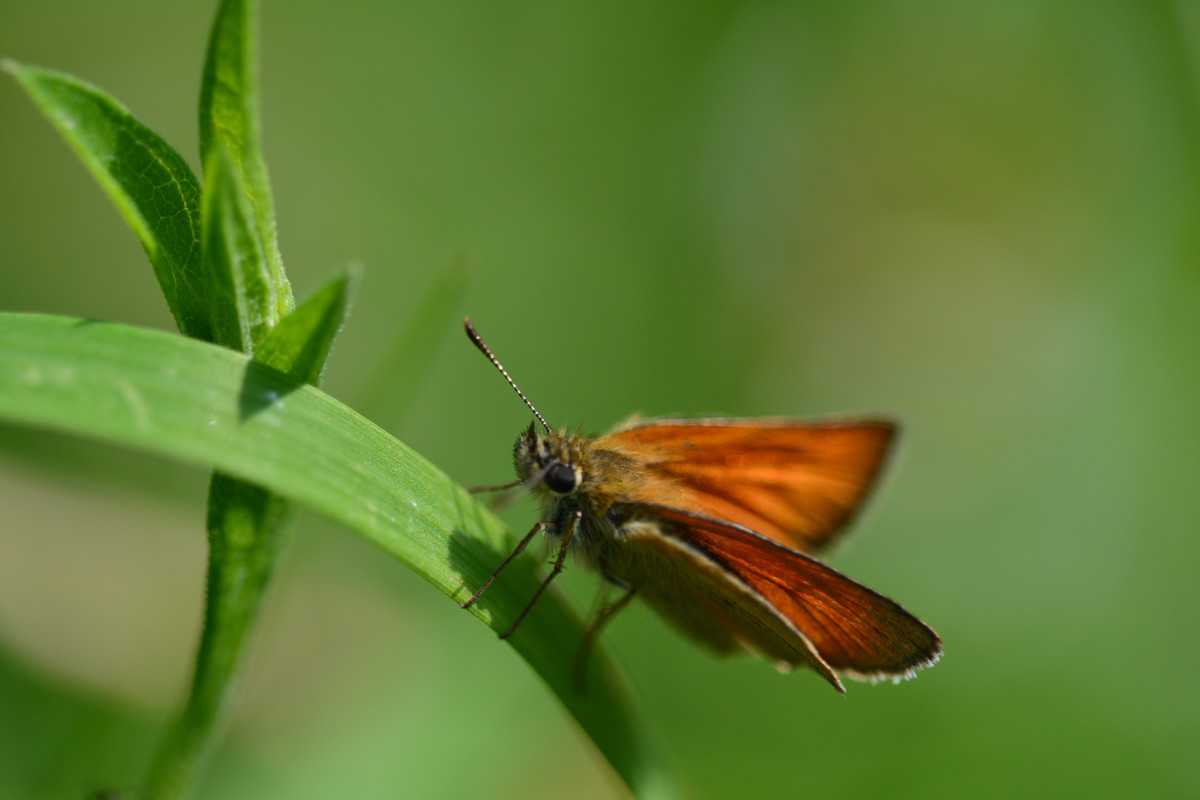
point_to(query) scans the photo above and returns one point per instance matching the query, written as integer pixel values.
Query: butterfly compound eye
(561, 479)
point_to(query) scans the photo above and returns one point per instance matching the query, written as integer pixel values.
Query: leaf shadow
(262, 387)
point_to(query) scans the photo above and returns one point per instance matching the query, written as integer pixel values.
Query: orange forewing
(854, 629)
(798, 483)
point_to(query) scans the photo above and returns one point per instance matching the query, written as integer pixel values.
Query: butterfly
(714, 523)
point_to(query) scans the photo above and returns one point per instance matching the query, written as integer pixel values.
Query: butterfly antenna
(474, 336)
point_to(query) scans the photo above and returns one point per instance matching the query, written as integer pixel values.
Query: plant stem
(245, 529)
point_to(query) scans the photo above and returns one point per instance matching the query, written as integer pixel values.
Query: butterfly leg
(603, 616)
(541, 526)
(572, 526)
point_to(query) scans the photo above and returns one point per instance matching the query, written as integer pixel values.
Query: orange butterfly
(711, 522)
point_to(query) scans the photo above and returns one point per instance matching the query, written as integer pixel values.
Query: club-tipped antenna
(474, 336)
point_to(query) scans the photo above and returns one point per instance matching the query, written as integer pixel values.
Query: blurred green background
(981, 219)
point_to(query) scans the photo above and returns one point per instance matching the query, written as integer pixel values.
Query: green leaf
(150, 183)
(229, 120)
(216, 408)
(300, 343)
(399, 373)
(239, 290)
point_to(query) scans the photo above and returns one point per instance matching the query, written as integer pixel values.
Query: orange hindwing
(852, 629)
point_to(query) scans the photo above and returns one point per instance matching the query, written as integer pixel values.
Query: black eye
(561, 479)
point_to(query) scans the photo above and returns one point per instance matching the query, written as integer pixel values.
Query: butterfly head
(553, 459)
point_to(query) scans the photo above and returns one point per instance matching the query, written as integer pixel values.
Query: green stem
(245, 530)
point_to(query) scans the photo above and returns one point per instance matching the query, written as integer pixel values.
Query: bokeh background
(981, 219)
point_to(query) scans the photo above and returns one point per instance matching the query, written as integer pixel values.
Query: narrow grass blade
(436, 312)
(213, 407)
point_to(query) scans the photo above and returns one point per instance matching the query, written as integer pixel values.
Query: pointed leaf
(150, 183)
(300, 343)
(229, 119)
(239, 293)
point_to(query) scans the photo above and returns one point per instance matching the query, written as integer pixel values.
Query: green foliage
(250, 411)
(148, 181)
(229, 123)
(207, 405)
(300, 343)
(238, 287)
(978, 218)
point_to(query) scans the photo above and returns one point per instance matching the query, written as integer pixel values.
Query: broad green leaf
(150, 183)
(216, 408)
(229, 120)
